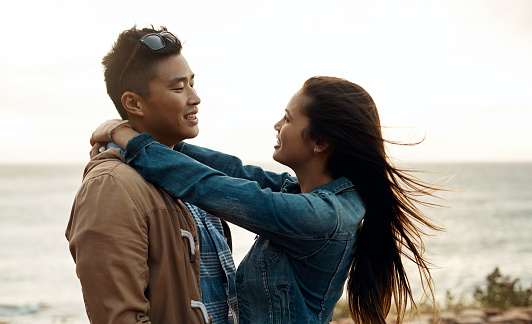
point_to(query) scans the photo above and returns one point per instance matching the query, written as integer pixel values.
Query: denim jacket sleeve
(233, 166)
(299, 222)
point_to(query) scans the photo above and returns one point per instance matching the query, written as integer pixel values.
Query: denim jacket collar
(335, 186)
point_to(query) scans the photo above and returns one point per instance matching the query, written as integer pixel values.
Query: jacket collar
(335, 186)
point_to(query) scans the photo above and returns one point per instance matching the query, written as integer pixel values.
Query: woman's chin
(276, 159)
(274, 156)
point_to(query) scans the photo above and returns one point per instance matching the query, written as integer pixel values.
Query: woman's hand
(100, 137)
(97, 149)
(101, 134)
(113, 130)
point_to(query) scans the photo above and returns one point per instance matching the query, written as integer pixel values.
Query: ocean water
(489, 225)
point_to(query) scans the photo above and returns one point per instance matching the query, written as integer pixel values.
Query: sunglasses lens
(169, 36)
(154, 42)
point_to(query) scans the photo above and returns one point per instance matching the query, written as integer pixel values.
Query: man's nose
(194, 99)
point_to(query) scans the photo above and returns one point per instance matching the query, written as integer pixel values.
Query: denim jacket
(296, 270)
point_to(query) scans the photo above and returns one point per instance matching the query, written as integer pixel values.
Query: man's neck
(141, 129)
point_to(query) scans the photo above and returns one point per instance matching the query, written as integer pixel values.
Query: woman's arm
(119, 132)
(299, 222)
(233, 166)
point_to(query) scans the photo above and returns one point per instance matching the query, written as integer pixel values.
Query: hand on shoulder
(104, 134)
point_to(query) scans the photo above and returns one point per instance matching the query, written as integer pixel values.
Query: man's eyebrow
(181, 79)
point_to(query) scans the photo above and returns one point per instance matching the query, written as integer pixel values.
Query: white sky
(458, 71)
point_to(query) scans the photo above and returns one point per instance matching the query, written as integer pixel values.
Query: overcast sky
(458, 72)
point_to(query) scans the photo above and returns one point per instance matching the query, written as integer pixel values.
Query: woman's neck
(312, 178)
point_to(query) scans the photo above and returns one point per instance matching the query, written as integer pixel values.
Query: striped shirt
(217, 269)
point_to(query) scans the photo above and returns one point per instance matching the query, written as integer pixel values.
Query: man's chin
(194, 133)
(189, 135)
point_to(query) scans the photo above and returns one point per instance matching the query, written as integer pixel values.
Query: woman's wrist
(115, 126)
(121, 133)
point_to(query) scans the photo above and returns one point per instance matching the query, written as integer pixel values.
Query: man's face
(170, 111)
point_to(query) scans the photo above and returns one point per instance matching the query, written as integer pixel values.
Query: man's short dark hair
(141, 70)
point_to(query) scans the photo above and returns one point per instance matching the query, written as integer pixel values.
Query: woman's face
(292, 149)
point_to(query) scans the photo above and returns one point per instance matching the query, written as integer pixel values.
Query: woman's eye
(285, 119)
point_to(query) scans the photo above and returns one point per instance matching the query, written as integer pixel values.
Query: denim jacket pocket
(265, 253)
(281, 304)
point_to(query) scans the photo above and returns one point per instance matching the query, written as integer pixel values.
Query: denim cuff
(136, 144)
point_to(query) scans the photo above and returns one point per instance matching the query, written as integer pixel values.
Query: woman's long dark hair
(345, 115)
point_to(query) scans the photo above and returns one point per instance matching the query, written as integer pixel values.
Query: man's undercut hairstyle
(142, 69)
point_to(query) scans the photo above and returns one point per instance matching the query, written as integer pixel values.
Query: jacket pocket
(265, 253)
(281, 306)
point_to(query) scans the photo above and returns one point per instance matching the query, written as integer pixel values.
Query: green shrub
(457, 305)
(503, 292)
(500, 292)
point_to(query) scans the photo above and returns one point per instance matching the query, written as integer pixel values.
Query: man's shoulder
(112, 166)
(112, 173)
(111, 179)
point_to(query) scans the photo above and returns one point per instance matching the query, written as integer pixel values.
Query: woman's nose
(278, 125)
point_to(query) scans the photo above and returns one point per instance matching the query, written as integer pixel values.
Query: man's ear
(132, 103)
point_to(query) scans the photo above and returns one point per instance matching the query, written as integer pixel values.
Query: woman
(349, 214)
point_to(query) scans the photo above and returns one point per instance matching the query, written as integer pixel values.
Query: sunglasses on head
(154, 41)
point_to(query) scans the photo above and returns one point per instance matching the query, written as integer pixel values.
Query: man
(135, 247)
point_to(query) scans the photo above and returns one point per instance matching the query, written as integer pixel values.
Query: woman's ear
(320, 145)
(132, 103)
